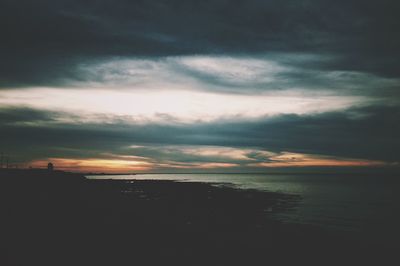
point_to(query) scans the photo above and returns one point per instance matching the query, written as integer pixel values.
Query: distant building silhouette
(50, 167)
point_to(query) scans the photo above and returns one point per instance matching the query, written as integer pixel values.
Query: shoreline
(59, 218)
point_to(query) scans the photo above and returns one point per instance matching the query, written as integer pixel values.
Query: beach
(59, 218)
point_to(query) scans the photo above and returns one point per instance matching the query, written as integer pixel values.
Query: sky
(200, 86)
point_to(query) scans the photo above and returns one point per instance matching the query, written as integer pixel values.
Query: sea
(346, 202)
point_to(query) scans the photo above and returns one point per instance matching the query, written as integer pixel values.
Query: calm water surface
(344, 202)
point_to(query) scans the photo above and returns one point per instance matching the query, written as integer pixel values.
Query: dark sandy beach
(57, 218)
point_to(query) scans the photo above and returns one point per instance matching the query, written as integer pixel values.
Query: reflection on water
(345, 202)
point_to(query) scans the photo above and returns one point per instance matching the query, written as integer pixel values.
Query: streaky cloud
(355, 133)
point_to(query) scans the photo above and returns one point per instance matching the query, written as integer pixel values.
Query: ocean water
(346, 202)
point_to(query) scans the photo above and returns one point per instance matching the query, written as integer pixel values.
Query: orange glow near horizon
(120, 166)
(129, 164)
(94, 165)
(288, 159)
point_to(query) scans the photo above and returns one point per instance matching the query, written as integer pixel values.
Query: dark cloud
(15, 115)
(345, 47)
(44, 41)
(365, 133)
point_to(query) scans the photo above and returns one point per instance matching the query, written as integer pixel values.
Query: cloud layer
(222, 84)
(354, 137)
(44, 42)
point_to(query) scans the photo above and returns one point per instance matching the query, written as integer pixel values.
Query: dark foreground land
(64, 219)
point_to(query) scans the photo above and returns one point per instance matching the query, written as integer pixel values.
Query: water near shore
(59, 218)
(345, 202)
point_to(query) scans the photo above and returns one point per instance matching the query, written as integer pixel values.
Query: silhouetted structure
(4, 161)
(50, 167)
